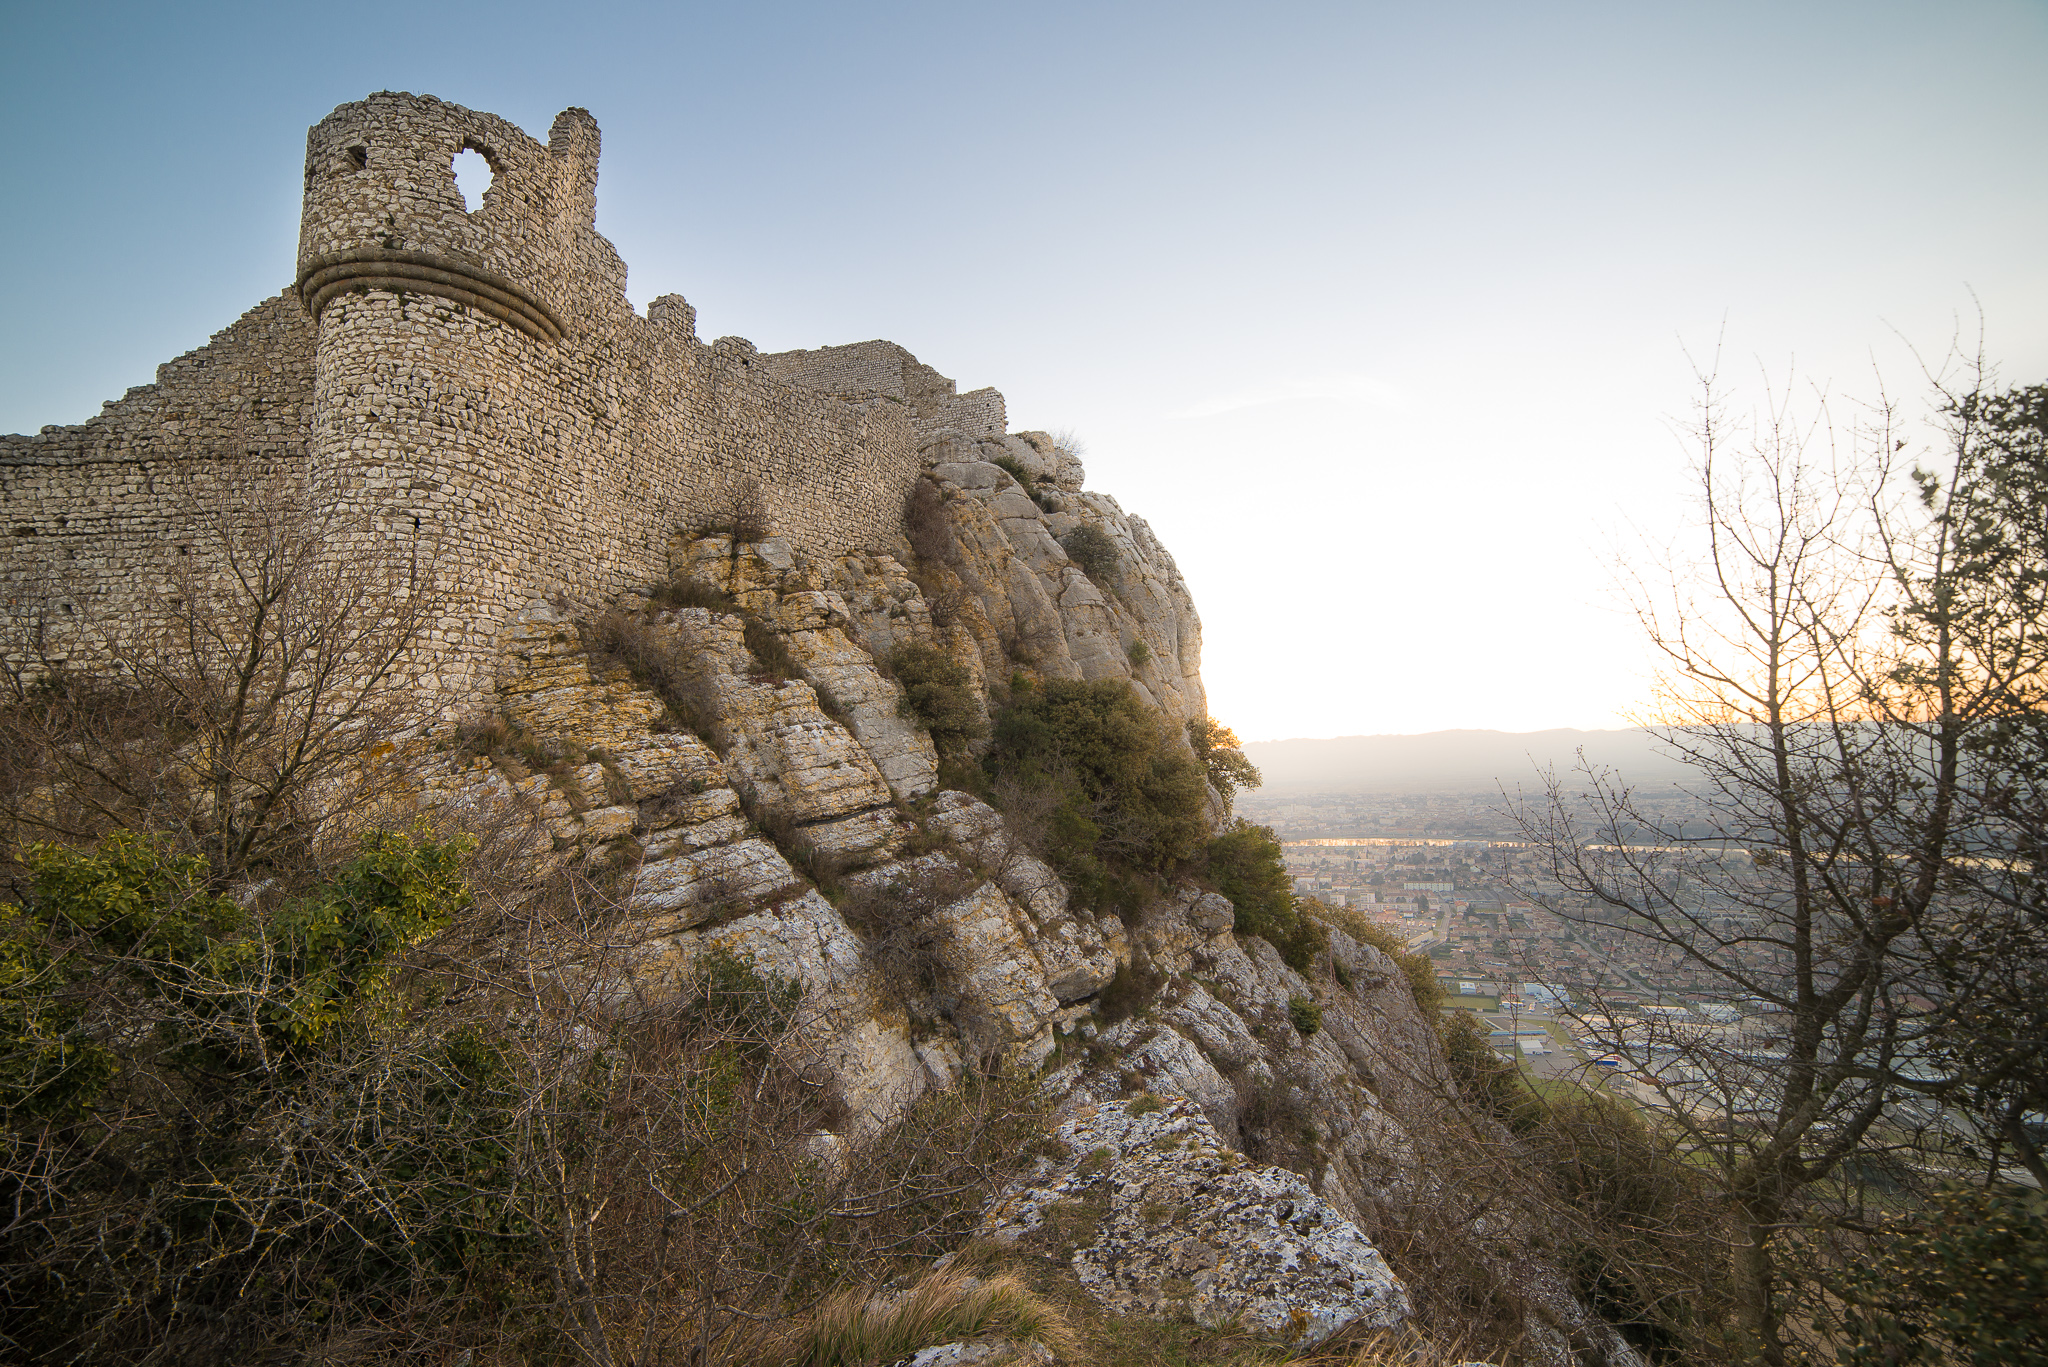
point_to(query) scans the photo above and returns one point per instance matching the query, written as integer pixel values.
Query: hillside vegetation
(792, 963)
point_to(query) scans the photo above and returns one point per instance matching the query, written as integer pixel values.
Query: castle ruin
(475, 382)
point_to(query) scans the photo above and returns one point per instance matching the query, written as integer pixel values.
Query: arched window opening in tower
(472, 177)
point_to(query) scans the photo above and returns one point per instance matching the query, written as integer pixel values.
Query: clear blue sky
(1374, 310)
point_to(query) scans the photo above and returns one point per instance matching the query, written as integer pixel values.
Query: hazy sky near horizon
(1379, 313)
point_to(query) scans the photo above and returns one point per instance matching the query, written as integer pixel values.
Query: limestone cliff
(731, 747)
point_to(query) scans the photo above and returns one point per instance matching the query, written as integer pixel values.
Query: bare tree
(244, 709)
(743, 511)
(1827, 678)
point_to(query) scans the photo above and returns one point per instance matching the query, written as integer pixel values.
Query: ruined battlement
(883, 370)
(474, 383)
(382, 211)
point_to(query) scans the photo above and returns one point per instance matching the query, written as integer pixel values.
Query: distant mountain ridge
(1465, 760)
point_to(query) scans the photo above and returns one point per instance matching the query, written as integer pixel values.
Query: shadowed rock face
(1177, 1223)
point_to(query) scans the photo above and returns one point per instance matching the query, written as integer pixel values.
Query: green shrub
(1091, 548)
(960, 774)
(280, 1146)
(1245, 864)
(1305, 1014)
(1138, 653)
(1010, 466)
(937, 695)
(1222, 757)
(1097, 779)
(1962, 1281)
(131, 908)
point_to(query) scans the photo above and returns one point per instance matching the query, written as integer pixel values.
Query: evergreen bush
(937, 695)
(1091, 548)
(1244, 863)
(1115, 801)
(1963, 1281)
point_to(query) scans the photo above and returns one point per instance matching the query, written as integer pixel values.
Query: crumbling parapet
(382, 211)
(884, 370)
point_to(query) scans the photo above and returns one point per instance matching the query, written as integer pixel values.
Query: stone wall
(978, 414)
(96, 516)
(483, 380)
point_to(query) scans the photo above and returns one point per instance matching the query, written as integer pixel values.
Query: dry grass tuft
(856, 1327)
(1104, 1338)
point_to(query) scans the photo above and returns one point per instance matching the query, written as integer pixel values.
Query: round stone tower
(446, 344)
(382, 211)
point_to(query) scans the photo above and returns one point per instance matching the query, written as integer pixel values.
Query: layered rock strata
(792, 817)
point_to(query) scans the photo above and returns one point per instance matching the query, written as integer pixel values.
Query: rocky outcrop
(1356, 1107)
(1022, 595)
(734, 754)
(783, 754)
(818, 622)
(1077, 952)
(1166, 1220)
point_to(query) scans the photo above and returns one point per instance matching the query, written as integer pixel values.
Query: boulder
(1166, 1221)
(1212, 914)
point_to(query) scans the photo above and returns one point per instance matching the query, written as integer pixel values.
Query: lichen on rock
(1185, 1226)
